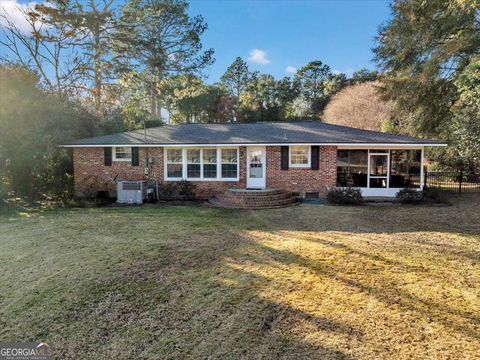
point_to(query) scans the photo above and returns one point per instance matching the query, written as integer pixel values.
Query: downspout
(147, 169)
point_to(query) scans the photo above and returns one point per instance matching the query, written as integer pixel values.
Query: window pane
(193, 156)
(405, 166)
(229, 156)
(378, 165)
(352, 167)
(299, 155)
(174, 156)
(123, 152)
(358, 158)
(209, 156)
(229, 170)
(209, 163)
(229, 163)
(174, 170)
(343, 158)
(193, 163)
(174, 163)
(193, 170)
(209, 171)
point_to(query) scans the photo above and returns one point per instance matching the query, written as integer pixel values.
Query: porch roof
(259, 133)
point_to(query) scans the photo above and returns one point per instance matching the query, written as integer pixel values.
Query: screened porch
(380, 171)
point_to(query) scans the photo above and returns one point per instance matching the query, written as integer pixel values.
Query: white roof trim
(365, 145)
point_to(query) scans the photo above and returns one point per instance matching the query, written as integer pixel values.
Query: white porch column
(421, 168)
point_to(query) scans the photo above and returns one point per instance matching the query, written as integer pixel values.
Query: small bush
(186, 190)
(435, 195)
(3, 195)
(168, 191)
(181, 190)
(409, 196)
(344, 196)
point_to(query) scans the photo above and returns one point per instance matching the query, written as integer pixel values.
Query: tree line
(128, 64)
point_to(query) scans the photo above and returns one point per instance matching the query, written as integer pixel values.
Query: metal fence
(458, 182)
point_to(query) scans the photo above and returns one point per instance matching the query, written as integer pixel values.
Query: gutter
(439, 144)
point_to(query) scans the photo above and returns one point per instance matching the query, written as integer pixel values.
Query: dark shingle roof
(253, 133)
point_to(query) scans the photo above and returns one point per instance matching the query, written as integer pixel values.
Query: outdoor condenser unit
(131, 192)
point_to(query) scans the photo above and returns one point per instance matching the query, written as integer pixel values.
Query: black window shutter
(135, 157)
(284, 161)
(315, 157)
(107, 155)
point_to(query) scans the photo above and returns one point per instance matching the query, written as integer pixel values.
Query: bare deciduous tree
(48, 50)
(67, 42)
(359, 106)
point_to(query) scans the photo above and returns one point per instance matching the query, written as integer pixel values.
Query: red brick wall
(91, 174)
(302, 179)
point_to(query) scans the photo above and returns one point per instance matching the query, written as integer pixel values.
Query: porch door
(256, 167)
(378, 170)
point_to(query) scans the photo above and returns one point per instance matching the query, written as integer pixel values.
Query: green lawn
(173, 282)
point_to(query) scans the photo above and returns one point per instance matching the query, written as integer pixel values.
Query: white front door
(256, 167)
(378, 174)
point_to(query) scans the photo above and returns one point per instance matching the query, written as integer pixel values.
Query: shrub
(435, 195)
(181, 190)
(3, 194)
(186, 189)
(409, 196)
(343, 196)
(90, 193)
(168, 191)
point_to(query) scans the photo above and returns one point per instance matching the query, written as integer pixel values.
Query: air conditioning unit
(131, 192)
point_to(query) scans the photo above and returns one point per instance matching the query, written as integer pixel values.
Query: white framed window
(202, 164)
(209, 163)
(194, 163)
(299, 156)
(122, 153)
(229, 163)
(174, 163)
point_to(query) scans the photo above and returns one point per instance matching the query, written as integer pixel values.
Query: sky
(280, 36)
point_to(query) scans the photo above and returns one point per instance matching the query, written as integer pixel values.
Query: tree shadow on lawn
(207, 295)
(460, 218)
(384, 290)
(173, 301)
(414, 225)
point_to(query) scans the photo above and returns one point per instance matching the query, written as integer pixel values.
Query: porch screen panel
(352, 168)
(405, 168)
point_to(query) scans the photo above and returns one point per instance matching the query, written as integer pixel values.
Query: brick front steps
(253, 199)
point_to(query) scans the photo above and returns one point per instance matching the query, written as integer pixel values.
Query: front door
(256, 167)
(378, 172)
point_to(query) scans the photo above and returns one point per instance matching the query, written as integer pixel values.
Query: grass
(152, 282)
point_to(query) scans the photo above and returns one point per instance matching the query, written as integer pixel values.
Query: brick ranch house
(303, 157)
